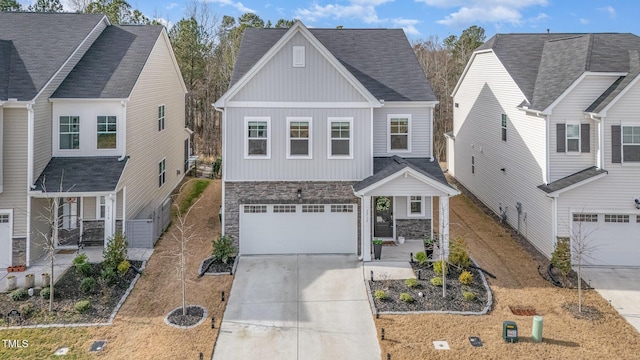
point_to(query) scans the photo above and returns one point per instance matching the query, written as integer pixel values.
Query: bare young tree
(582, 249)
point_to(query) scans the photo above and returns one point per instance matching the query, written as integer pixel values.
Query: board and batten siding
(400, 209)
(308, 83)
(159, 83)
(278, 167)
(420, 131)
(486, 92)
(571, 110)
(14, 167)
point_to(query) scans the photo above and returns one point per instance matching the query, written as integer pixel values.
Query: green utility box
(510, 331)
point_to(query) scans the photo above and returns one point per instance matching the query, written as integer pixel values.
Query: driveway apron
(298, 307)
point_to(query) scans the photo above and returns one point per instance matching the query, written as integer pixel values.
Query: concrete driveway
(298, 307)
(620, 286)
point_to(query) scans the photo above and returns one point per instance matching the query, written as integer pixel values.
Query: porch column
(443, 223)
(109, 216)
(365, 220)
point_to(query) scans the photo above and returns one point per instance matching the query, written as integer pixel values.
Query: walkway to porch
(394, 261)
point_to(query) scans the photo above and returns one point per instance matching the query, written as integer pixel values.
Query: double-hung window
(399, 130)
(631, 143)
(100, 208)
(160, 117)
(340, 138)
(503, 126)
(69, 132)
(573, 137)
(162, 167)
(299, 138)
(107, 132)
(257, 141)
(415, 206)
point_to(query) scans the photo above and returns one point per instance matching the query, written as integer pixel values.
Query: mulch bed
(432, 299)
(587, 313)
(217, 266)
(103, 299)
(194, 314)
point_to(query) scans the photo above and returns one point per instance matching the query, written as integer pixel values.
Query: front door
(383, 225)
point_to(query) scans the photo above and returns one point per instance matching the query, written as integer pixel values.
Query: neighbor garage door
(613, 238)
(298, 229)
(5, 240)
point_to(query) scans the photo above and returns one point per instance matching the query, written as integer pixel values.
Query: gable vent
(298, 56)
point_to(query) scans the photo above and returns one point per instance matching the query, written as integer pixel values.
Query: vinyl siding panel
(279, 167)
(404, 186)
(400, 211)
(309, 83)
(89, 207)
(487, 92)
(571, 110)
(420, 131)
(158, 84)
(14, 168)
(38, 227)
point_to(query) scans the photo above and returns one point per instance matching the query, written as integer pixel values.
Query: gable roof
(112, 65)
(34, 46)
(544, 66)
(572, 180)
(81, 174)
(382, 60)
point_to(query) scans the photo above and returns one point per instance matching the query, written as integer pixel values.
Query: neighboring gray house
(92, 115)
(318, 125)
(546, 133)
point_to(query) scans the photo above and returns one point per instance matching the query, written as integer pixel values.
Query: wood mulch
(217, 267)
(192, 315)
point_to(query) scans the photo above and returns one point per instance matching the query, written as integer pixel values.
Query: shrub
(19, 294)
(223, 249)
(439, 267)
(421, 257)
(561, 257)
(82, 306)
(411, 283)
(123, 267)
(216, 166)
(27, 309)
(87, 285)
(458, 254)
(405, 297)
(82, 265)
(45, 293)
(466, 278)
(109, 276)
(380, 295)
(115, 251)
(436, 281)
(469, 296)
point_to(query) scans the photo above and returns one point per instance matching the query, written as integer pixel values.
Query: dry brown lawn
(518, 284)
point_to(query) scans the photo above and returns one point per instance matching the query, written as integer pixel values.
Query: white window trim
(164, 181)
(163, 117)
(409, 213)
(351, 129)
(398, 116)
(79, 133)
(247, 119)
(622, 126)
(98, 206)
(106, 132)
(288, 136)
(566, 138)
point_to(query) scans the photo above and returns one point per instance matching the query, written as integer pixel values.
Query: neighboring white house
(92, 115)
(546, 133)
(317, 125)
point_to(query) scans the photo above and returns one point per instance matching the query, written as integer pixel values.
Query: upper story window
(340, 138)
(160, 117)
(630, 143)
(69, 132)
(258, 139)
(107, 132)
(399, 133)
(416, 206)
(573, 138)
(504, 127)
(299, 138)
(162, 167)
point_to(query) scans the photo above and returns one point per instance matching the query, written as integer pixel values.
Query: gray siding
(89, 207)
(400, 210)
(281, 168)
(14, 168)
(309, 83)
(420, 131)
(38, 227)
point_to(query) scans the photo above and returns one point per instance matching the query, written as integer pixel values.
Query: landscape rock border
(204, 316)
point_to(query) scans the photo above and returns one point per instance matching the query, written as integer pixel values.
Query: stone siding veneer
(413, 229)
(19, 251)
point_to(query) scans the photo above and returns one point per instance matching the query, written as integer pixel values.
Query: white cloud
(236, 4)
(408, 25)
(171, 6)
(609, 10)
(168, 24)
(584, 21)
(484, 11)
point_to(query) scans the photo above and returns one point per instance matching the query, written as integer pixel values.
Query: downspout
(431, 131)
(362, 225)
(30, 186)
(371, 138)
(224, 165)
(123, 134)
(547, 150)
(554, 220)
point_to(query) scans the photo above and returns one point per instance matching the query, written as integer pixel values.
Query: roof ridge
(587, 64)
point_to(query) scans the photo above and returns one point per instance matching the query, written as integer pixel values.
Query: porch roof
(573, 180)
(81, 174)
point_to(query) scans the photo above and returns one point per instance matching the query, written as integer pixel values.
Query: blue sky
(423, 18)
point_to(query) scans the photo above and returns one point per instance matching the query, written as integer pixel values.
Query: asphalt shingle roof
(81, 174)
(572, 179)
(112, 65)
(381, 59)
(386, 166)
(33, 46)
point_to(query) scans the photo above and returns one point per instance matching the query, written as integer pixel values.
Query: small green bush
(405, 297)
(411, 283)
(81, 265)
(109, 276)
(561, 257)
(27, 309)
(87, 285)
(380, 295)
(436, 281)
(45, 293)
(421, 257)
(466, 278)
(115, 251)
(469, 296)
(82, 306)
(19, 295)
(439, 266)
(458, 254)
(123, 267)
(223, 249)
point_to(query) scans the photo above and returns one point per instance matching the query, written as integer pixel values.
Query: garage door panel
(612, 243)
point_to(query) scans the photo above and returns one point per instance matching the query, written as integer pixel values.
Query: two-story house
(91, 116)
(546, 134)
(318, 124)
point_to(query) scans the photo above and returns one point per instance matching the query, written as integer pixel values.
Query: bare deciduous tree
(582, 249)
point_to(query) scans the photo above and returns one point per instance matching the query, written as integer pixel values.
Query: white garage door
(298, 229)
(615, 238)
(5, 240)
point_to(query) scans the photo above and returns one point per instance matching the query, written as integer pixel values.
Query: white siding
(278, 167)
(309, 83)
(404, 186)
(487, 92)
(420, 131)
(14, 168)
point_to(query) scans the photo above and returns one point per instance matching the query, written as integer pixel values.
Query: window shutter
(616, 144)
(560, 137)
(585, 138)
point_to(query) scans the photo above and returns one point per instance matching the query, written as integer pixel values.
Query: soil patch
(586, 313)
(193, 315)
